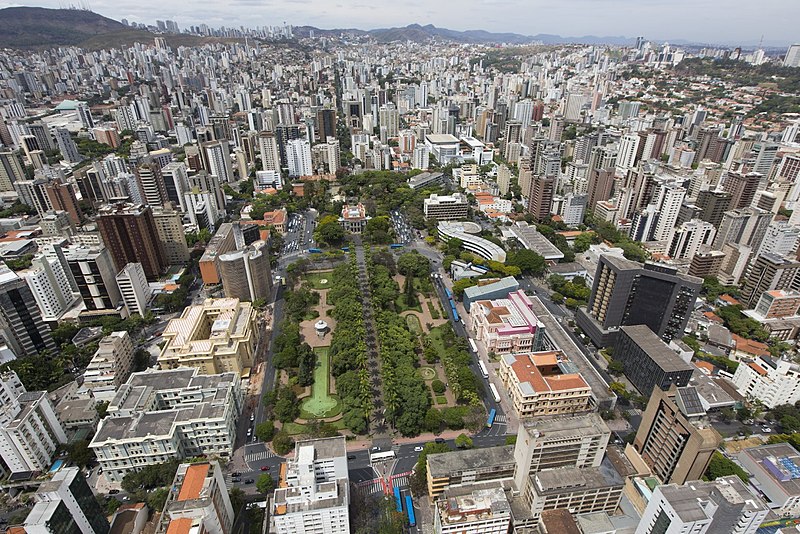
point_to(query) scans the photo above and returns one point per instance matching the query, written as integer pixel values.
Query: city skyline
(740, 23)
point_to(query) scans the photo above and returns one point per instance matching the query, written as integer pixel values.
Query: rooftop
(541, 372)
(445, 464)
(531, 239)
(193, 482)
(656, 349)
(555, 428)
(555, 481)
(780, 462)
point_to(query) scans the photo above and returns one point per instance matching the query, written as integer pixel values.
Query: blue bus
(455, 313)
(412, 520)
(315, 251)
(396, 245)
(398, 500)
(490, 420)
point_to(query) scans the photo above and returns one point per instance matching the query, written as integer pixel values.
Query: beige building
(463, 468)
(354, 218)
(111, 364)
(675, 439)
(169, 227)
(482, 511)
(246, 273)
(217, 336)
(198, 502)
(544, 383)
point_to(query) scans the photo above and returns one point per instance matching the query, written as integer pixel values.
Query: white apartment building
(298, 157)
(199, 501)
(669, 204)
(446, 207)
(771, 381)
(722, 505)
(133, 287)
(111, 365)
(689, 237)
(780, 239)
(316, 493)
(51, 287)
(162, 415)
(483, 511)
(30, 432)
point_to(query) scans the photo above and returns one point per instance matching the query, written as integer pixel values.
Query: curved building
(465, 231)
(246, 273)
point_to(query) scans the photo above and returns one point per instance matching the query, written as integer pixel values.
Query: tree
(464, 442)
(433, 420)
(329, 231)
(453, 246)
(265, 484)
(790, 423)
(102, 409)
(282, 442)
(80, 454)
(265, 431)
(438, 387)
(419, 479)
(616, 367)
(413, 263)
(719, 466)
(528, 261)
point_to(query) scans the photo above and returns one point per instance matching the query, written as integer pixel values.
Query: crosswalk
(370, 487)
(400, 481)
(501, 419)
(254, 457)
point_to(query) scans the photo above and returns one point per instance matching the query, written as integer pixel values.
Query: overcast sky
(718, 21)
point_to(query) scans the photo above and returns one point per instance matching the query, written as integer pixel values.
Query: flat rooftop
(447, 463)
(656, 349)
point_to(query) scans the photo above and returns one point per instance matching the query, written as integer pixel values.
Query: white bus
(495, 394)
(473, 345)
(381, 457)
(484, 371)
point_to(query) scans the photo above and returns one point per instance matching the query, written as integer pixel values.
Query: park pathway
(377, 422)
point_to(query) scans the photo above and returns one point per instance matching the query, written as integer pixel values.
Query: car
(351, 457)
(248, 481)
(766, 429)
(255, 439)
(265, 468)
(439, 440)
(113, 491)
(417, 449)
(249, 431)
(252, 417)
(236, 474)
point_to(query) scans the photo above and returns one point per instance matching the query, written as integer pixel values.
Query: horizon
(594, 19)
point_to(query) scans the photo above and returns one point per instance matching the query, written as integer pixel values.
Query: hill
(35, 26)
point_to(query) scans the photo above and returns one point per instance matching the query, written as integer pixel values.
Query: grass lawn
(441, 399)
(434, 309)
(427, 373)
(319, 280)
(413, 324)
(321, 403)
(293, 428)
(435, 335)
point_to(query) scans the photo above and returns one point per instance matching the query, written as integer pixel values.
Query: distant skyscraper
(131, 236)
(792, 58)
(11, 170)
(20, 320)
(298, 156)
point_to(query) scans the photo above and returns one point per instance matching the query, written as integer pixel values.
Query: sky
(706, 21)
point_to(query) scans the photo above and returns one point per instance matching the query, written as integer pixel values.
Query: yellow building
(217, 336)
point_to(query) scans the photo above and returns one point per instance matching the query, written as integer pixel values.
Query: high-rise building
(326, 123)
(111, 364)
(134, 289)
(648, 362)
(315, 495)
(176, 183)
(674, 438)
(11, 170)
(601, 182)
(50, 286)
(688, 239)
(130, 234)
(95, 276)
(792, 57)
(66, 504)
(268, 148)
(742, 187)
(30, 432)
(706, 263)
(199, 501)
(626, 159)
(61, 196)
(780, 239)
(721, 505)
(20, 321)
(713, 205)
(669, 201)
(298, 157)
(169, 226)
(540, 196)
(768, 272)
(151, 182)
(219, 161)
(389, 118)
(745, 226)
(629, 293)
(67, 147)
(246, 272)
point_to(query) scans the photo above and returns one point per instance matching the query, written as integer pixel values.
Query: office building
(216, 336)
(20, 320)
(315, 495)
(111, 364)
(530, 238)
(246, 273)
(769, 272)
(30, 432)
(775, 304)
(674, 438)
(198, 501)
(65, 504)
(354, 218)
(161, 415)
(466, 232)
(443, 146)
(95, 275)
(130, 235)
(771, 381)
(544, 383)
(225, 240)
(171, 234)
(446, 207)
(776, 470)
(555, 442)
(506, 325)
(467, 467)
(629, 293)
(50, 286)
(648, 362)
(326, 123)
(134, 289)
(721, 505)
(484, 511)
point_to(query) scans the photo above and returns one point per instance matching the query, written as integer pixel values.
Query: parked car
(113, 491)
(249, 481)
(439, 440)
(265, 468)
(417, 449)
(236, 474)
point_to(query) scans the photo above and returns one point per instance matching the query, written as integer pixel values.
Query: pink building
(507, 325)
